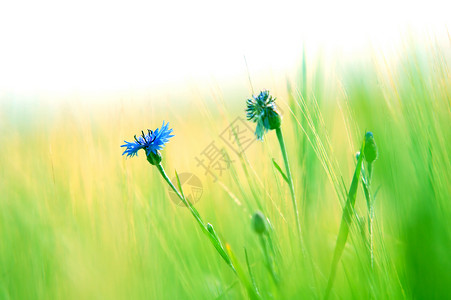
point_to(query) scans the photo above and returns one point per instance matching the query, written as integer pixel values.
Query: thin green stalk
(371, 218)
(210, 232)
(269, 260)
(249, 269)
(182, 198)
(369, 202)
(251, 290)
(290, 183)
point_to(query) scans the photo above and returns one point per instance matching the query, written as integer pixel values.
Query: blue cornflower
(150, 142)
(262, 110)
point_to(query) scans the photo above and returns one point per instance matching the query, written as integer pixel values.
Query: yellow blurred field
(79, 221)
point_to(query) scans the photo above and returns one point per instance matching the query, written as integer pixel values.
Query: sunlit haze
(108, 46)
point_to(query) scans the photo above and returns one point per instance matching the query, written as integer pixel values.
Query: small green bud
(259, 223)
(370, 150)
(154, 158)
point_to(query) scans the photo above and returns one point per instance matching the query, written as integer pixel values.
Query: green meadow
(80, 221)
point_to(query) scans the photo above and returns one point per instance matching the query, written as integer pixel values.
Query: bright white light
(106, 45)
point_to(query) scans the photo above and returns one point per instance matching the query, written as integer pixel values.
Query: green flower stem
(182, 198)
(369, 201)
(210, 232)
(371, 219)
(290, 183)
(208, 229)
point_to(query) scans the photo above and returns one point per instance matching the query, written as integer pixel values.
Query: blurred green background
(79, 221)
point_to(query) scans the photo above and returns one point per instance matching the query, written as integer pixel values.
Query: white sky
(105, 45)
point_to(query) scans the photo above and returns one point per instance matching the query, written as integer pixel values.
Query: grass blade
(253, 294)
(345, 222)
(280, 171)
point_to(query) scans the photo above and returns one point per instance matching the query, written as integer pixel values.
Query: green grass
(78, 221)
